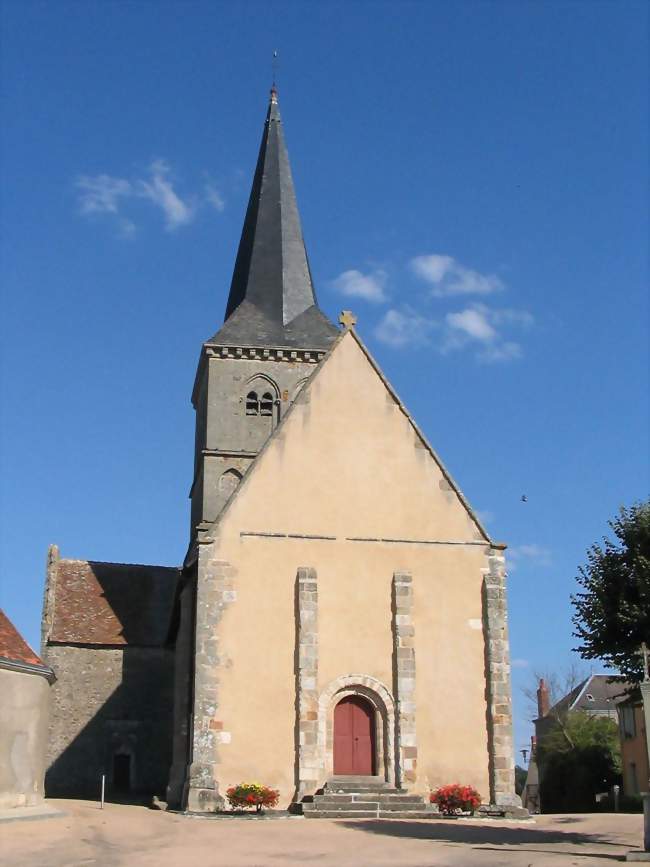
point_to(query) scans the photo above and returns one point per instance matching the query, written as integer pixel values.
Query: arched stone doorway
(382, 708)
(354, 737)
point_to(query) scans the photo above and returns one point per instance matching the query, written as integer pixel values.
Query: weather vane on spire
(274, 69)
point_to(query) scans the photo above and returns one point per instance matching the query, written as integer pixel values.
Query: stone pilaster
(404, 677)
(498, 689)
(214, 593)
(309, 764)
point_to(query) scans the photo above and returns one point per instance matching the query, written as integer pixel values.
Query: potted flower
(454, 799)
(245, 796)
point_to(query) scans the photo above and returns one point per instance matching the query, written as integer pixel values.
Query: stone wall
(107, 701)
(226, 437)
(498, 688)
(183, 687)
(215, 591)
(23, 730)
(404, 675)
(310, 763)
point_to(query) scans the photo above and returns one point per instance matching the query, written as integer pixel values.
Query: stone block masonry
(404, 676)
(309, 761)
(215, 591)
(498, 688)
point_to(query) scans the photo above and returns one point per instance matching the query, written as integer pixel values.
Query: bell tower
(273, 335)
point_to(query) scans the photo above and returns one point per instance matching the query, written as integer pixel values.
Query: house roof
(112, 603)
(598, 693)
(272, 302)
(13, 646)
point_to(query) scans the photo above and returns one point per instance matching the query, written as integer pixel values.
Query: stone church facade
(341, 611)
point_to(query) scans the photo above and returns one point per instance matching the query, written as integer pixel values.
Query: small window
(266, 404)
(627, 721)
(252, 403)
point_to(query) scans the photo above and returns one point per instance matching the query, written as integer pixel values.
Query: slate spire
(272, 298)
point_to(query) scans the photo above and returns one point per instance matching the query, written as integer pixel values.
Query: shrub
(248, 795)
(456, 798)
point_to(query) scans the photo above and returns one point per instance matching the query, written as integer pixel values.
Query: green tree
(578, 757)
(612, 611)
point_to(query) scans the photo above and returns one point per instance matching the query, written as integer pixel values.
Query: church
(340, 618)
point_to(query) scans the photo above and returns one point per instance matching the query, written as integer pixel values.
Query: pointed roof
(13, 646)
(272, 300)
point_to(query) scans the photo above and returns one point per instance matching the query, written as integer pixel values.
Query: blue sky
(473, 183)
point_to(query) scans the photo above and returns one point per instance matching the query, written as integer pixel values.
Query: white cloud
(519, 663)
(355, 284)
(160, 191)
(105, 194)
(533, 553)
(432, 268)
(398, 328)
(481, 327)
(214, 198)
(472, 322)
(449, 277)
(127, 229)
(101, 194)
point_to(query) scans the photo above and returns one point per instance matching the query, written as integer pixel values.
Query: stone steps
(364, 798)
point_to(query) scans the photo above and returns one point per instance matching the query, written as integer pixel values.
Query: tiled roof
(13, 646)
(112, 603)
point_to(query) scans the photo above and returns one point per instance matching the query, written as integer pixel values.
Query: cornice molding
(257, 353)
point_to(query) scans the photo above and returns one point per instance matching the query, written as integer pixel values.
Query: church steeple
(272, 299)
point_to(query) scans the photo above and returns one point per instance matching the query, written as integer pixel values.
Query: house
(338, 593)
(598, 695)
(562, 785)
(24, 686)
(634, 745)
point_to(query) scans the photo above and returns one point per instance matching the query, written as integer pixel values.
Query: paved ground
(138, 837)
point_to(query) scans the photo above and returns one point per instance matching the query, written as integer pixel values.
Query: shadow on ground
(494, 837)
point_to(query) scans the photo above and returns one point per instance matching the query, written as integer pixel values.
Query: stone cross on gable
(645, 654)
(347, 318)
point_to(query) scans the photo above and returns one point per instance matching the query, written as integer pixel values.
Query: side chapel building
(340, 611)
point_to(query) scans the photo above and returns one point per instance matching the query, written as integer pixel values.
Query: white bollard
(103, 790)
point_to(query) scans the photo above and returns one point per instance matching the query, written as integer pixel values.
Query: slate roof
(272, 301)
(597, 694)
(112, 603)
(13, 646)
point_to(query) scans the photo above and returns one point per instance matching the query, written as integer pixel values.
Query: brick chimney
(543, 699)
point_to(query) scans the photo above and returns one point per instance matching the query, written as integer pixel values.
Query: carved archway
(380, 698)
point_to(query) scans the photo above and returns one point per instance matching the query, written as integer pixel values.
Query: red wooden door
(354, 737)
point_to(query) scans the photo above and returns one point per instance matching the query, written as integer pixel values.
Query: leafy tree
(612, 612)
(577, 759)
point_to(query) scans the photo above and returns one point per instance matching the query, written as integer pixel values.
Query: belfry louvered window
(266, 404)
(252, 403)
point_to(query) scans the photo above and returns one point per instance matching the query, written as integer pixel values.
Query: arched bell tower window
(252, 403)
(266, 404)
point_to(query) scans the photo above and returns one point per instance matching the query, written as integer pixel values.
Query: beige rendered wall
(347, 465)
(23, 736)
(634, 755)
